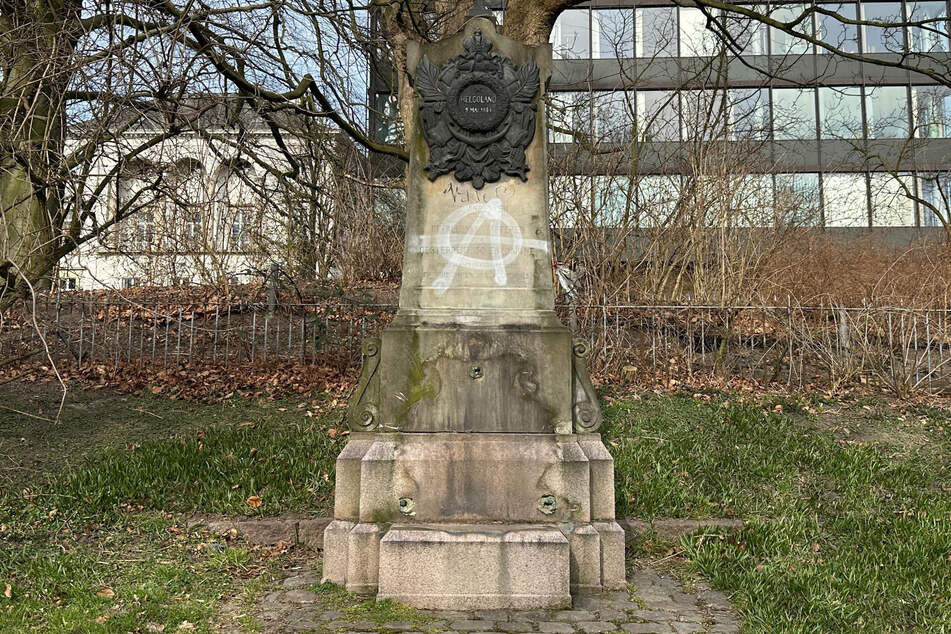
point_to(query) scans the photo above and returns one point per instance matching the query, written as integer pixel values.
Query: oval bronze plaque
(478, 102)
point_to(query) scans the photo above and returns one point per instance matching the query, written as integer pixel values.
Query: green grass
(847, 509)
(840, 536)
(357, 608)
(98, 547)
(137, 576)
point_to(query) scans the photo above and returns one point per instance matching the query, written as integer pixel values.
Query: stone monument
(474, 476)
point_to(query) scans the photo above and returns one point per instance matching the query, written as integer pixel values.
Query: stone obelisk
(474, 476)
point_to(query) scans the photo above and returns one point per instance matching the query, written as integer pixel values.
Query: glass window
(696, 40)
(750, 35)
(836, 33)
(844, 200)
(783, 43)
(614, 200)
(657, 198)
(840, 112)
(749, 113)
(569, 36)
(883, 39)
(932, 111)
(933, 190)
(612, 33)
(658, 115)
(796, 200)
(794, 113)
(752, 201)
(389, 124)
(568, 113)
(886, 108)
(570, 200)
(932, 35)
(613, 119)
(891, 204)
(656, 29)
(704, 114)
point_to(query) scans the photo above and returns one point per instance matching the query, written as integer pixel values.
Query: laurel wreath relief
(477, 147)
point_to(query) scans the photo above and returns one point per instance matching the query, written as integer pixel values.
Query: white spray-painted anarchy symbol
(502, 235)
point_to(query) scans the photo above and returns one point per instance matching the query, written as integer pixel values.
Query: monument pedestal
(472, 477)
(466, 521)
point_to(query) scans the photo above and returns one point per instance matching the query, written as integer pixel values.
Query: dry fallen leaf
(8, 591)
(154, 627)
(185, 626)
(246, 423)
(107, 592)
(254, 501)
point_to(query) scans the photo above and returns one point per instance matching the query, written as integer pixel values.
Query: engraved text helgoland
(492, 241)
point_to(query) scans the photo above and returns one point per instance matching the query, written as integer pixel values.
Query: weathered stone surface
(612, 554)
(472, 478)
(363, 558)
(475, 567)
(515, 626)
(573, 615)
(554, 627)
(347, 480)
(644, 628)
(336, 551)
(444, 211)
(585, 546)
(471, 625)
(310, 532)
(601, 466)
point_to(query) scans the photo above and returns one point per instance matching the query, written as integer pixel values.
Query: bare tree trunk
(35, 43)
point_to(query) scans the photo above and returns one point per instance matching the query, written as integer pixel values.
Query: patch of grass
(357, 608)
(334, 597)
(289, 466)
(840, 536)
(148, 573)
(387, 611)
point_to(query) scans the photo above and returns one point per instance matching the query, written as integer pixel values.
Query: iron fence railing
(903, 349)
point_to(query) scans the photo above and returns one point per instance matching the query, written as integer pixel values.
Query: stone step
(475, 566)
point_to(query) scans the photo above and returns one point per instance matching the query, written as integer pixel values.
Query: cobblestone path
(656, 603)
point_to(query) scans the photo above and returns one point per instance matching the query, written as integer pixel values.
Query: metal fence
(901, 349)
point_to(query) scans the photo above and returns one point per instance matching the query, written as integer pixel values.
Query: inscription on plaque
(477, 113)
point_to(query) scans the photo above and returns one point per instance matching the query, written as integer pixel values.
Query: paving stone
(607, 614)
(724, 628)
(573, 615)
(300, 581)
(689, 616)
(555, 628)
(399, 626)
(472, 625)
(300, 596)
(447, 614)
(516, 626)
(588, 602)
(645, 628)
(304, 625)
(595, 627)
(653, 615)
(686, 628)
(331, 615)
(493, 615)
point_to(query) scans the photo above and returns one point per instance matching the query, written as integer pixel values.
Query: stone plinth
(473, 567)
(445, 496)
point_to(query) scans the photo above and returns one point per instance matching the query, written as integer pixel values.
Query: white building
(205, 206)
